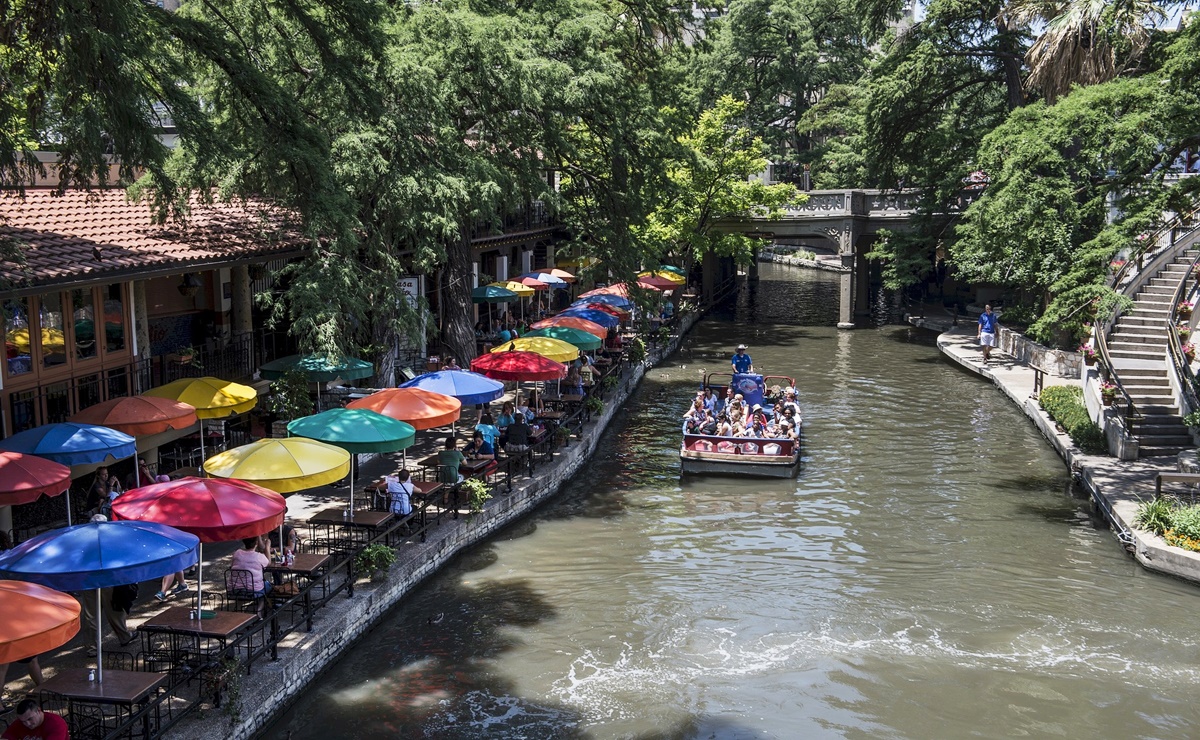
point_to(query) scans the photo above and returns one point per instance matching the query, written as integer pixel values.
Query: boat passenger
(710, 399)
(696, 410)
(710, 423)
(741, 361)
(724, 426)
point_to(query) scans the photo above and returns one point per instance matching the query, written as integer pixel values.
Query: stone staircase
(1137, 345)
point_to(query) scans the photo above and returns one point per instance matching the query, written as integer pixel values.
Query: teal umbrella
(581, 339)
(356, 431)
(492, 294)
(674, 269)
(318, 368)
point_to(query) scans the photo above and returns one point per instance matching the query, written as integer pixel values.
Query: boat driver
(741, 361)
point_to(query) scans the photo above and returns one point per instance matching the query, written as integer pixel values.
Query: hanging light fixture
(190, 285)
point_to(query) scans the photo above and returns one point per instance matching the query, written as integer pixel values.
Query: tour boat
(764, 457)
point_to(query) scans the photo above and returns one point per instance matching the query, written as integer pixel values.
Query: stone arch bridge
(849, 221)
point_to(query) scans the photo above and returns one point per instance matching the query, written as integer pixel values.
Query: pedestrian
(987, 332)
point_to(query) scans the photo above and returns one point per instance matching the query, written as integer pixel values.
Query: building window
(17, 349)
(83, 311)
(118, 382)
(114, 318)
(54, 341)
(58, 402)
(24, 410)
(87, 389)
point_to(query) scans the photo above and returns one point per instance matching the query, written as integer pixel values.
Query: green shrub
(1154, 516)
(1186, 521)
(1064, 404)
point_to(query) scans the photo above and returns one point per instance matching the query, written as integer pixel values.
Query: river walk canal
(931, 573)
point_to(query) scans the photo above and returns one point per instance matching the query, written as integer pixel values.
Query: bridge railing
(869, 203)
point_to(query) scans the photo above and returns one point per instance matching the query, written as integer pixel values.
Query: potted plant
(593, 405)
(1184, 331)
(1189, 351)
(478, 494)
(609, 382)
(375, 560)
(1184, 309)
(563, 435)
(1089, 354)
(1108, 393)
(637, 350)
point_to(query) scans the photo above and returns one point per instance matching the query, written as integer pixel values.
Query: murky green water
(930, 574)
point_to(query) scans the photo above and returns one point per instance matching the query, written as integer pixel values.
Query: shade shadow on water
(930, 573)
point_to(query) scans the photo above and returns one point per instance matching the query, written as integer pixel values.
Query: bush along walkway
(1118, 488)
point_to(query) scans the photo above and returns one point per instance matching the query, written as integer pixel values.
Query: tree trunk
(458, 332)
(1010, 58)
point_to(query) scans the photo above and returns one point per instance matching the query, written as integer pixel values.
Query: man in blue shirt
(741, 361)
(987, 332)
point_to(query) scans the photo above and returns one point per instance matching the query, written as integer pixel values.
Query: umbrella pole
(200, 581)
(99, 641)
(352, 458)
(68, 494)
(201, 423)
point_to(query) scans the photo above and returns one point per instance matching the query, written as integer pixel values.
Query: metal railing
(1167, 232)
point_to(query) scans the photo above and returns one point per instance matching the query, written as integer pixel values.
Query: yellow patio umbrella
(522, 291)
(548, 347)
(212, 398)
(282, 465)
(665, 275)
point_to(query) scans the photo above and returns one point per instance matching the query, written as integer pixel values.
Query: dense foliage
(396, 132)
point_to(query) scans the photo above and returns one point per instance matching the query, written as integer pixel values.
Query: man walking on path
(987, 332)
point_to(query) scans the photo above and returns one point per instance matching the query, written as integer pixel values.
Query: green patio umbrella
(581, 339)
(674, 269)
(492, 294)
(356, 431)
(318, 368)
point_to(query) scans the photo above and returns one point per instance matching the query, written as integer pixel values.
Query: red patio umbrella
(420, 408)
(23, 478)
(572, 322)
(653, 282)
(36, 619)
(213, 509)
(518, 365)
(139, 415)
(529, 282)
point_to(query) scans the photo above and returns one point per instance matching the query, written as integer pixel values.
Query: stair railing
(1181, 366)
(1169, 233)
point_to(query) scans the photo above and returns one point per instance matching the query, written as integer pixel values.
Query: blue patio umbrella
(608, 299)
(100, 555)
(468, 387)
(71, 443)
(607, 320)
(548, 279)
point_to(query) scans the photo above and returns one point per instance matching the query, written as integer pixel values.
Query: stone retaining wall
(273, 685)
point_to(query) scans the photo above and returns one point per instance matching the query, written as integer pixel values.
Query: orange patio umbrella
(571, 322)
(620, 289)
(36, 619)
(420, 408)
(139, 415)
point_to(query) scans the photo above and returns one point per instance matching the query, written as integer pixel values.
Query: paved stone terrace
(1117, 487)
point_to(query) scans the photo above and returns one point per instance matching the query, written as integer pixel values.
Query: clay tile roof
(59, 235)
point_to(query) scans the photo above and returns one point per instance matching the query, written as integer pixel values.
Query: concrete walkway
(1116, 487)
